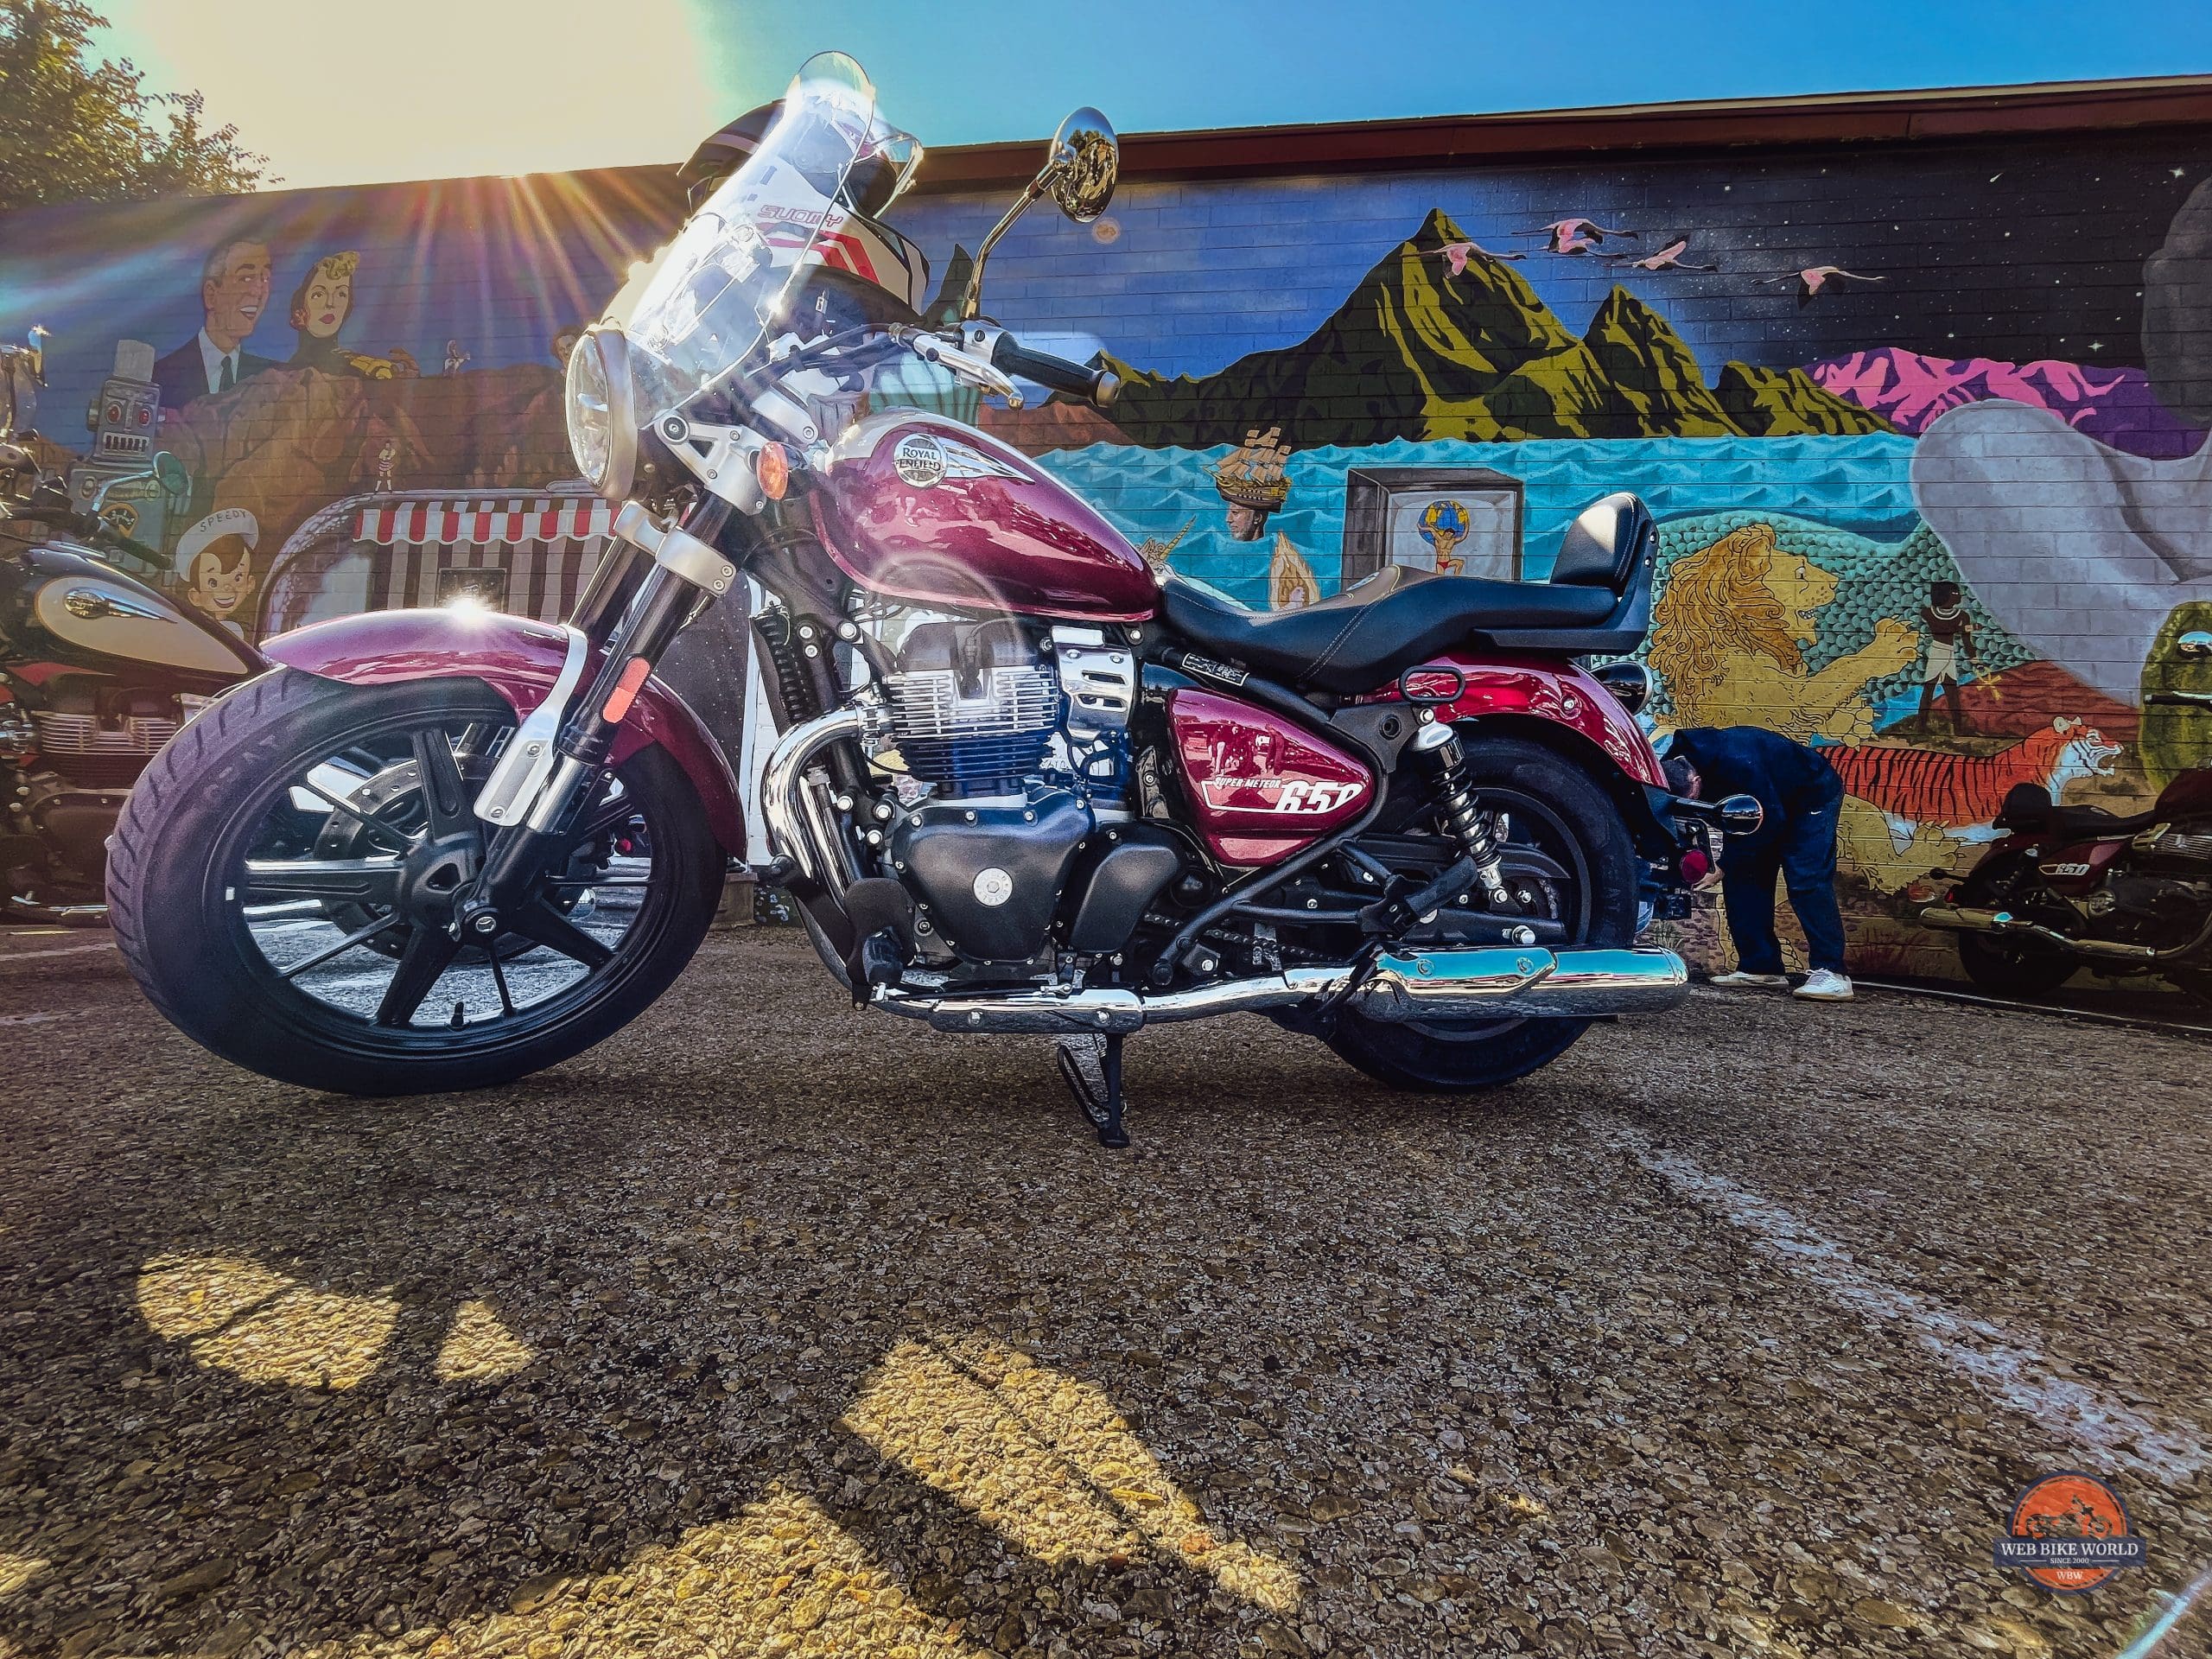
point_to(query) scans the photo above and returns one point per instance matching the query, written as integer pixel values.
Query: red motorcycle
(1020, 785)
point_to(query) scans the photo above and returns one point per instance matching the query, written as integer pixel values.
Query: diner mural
(1929, 454)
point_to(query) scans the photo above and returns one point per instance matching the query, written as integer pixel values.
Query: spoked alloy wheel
(1578, 866)
(285, 879)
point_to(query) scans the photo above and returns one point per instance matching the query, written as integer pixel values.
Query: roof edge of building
(1470, 140)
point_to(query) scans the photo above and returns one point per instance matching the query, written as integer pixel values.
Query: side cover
(1261, 786)
(519, 659)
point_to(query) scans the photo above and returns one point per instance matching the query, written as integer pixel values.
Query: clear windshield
(725, 286)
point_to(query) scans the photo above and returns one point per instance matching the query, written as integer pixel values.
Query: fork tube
(663, 603)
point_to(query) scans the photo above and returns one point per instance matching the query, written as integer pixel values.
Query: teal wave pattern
(1859, 484)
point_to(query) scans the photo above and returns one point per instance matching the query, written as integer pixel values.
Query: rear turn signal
(773, 468)
(625, 689)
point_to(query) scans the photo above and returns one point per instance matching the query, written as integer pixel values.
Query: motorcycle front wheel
(283, 876)
(1559, 811)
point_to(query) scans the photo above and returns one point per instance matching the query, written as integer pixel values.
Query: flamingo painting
(1456, 255)
(1668, 258)
(1814, 278)
(1574, 235)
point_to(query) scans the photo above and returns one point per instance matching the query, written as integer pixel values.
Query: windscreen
(724, 286)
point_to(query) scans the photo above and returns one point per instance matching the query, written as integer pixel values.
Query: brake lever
(965, 365)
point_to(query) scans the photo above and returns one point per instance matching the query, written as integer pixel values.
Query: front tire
(255, 966)
(1573, 812)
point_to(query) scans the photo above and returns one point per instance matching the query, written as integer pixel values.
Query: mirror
(169, 473)
(1085, 162)
(1079, 173)
(2196, 642)
(22, 372)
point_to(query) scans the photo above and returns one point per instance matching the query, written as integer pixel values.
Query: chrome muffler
(1478, 984)
(1969, 919)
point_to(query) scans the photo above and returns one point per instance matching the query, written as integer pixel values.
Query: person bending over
(1803, 799)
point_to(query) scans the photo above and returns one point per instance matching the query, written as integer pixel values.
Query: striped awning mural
(546, 544)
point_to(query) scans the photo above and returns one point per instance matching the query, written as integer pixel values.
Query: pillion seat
(1598, 599)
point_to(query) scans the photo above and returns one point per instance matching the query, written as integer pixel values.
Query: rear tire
(1441, 1057)
(177, 887)
(2009, 965)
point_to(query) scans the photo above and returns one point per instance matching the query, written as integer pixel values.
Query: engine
(1017, 741)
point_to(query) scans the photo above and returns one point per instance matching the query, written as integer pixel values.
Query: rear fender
(519, 659)
(1558, 704)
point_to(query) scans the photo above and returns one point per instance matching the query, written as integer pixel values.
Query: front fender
(519, 659)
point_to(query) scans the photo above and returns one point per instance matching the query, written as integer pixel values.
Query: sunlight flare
(240, 1317)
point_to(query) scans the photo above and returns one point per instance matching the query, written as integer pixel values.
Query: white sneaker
(1743, 981)
(1823, 986)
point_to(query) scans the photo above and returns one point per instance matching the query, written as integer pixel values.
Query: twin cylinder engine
(1021, 734)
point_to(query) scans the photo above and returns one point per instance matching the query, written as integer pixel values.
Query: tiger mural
(1960, 794)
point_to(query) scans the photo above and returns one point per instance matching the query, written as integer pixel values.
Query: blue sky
(448, 88)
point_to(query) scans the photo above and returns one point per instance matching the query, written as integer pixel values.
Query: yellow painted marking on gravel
(1994, 1360)
(16, 1571)
(243, 1318)
(42, 1019)
(69, 950)
(478, 1347)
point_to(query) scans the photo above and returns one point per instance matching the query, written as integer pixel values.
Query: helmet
(879, 256)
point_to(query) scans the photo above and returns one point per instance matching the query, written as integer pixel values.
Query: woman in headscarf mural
(321, 305)
(1253, 482)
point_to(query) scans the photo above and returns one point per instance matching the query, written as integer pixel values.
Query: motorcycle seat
(2029, 809)
(1598, 599)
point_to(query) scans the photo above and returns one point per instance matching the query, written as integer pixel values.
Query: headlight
(602, 413)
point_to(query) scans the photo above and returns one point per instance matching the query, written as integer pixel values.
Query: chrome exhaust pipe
(1502, 984)
(1969, 919)
(801, 821)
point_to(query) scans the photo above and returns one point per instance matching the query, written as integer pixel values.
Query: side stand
(1092, 1068)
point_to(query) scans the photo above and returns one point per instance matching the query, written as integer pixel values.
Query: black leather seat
(1598, 599)
(2030, 811)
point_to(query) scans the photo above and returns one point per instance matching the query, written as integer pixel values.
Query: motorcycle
(2067, 887)
(1021, 783)
(99, 668)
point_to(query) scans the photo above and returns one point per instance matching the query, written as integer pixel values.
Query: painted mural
(1924, 427)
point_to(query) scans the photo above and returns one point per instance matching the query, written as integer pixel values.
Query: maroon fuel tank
(922, 508)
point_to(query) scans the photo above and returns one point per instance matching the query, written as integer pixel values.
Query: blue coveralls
(1803, 801)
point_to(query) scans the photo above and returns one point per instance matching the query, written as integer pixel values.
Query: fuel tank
(919, 507)
(1260, 787)
(81, 612)
(2189, 795)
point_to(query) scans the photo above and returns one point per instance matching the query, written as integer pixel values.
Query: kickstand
(1092, 1067)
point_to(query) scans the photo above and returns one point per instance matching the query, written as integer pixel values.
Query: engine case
(987, 873)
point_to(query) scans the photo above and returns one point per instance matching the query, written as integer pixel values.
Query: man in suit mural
(233, 293)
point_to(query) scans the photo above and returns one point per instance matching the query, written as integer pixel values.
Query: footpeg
(1092, 1069)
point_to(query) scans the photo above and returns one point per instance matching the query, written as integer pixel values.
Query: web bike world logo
(2069, 1533)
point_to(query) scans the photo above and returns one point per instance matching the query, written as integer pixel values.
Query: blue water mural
(1856, 483)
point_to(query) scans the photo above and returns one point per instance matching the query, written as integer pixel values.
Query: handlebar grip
(2180, 699)
(1094, 385)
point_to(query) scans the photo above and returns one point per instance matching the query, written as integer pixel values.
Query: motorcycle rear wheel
(213, 895)
(1568, 814)
(2010, 964)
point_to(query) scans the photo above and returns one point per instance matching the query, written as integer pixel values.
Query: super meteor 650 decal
(1290, 797)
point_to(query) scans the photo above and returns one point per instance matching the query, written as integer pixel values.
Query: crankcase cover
(988, 874)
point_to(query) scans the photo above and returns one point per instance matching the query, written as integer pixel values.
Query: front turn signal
(773, 468)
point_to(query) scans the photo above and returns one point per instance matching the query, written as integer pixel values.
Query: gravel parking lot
(768, 1328)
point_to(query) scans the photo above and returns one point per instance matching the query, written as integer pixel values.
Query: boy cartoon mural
(233, 293)
(215, 559)
(1950, 636)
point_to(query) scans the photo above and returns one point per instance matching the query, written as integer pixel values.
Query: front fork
(686, 568)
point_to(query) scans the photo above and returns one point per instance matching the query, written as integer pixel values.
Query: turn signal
(773, 468)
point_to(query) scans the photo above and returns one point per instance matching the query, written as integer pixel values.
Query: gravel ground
(767, 1328)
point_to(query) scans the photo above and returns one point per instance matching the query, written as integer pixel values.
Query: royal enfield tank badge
(920, 460)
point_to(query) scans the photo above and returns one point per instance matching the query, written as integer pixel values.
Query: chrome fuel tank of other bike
(915, 506)
(73, 609)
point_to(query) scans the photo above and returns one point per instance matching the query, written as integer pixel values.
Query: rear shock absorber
(1479, 830)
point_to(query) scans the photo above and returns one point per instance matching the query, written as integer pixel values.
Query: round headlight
(602, 414)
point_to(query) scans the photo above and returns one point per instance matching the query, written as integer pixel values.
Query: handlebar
(2181, 699)
(97, 532)
(1097, 387)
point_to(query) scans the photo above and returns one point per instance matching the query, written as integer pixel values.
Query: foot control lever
(1092, 1068)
